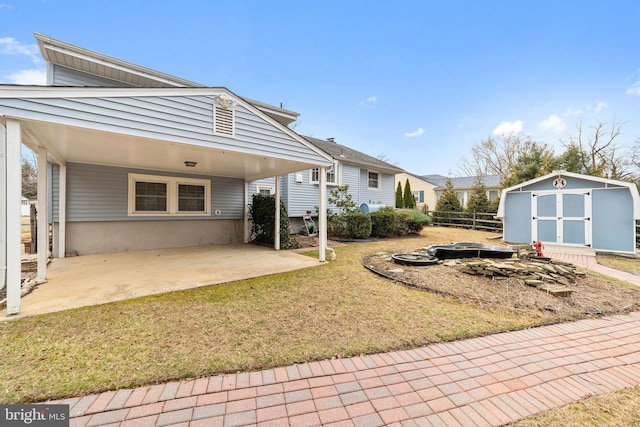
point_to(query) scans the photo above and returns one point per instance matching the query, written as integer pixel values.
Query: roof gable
(345, 154)
(130, 74)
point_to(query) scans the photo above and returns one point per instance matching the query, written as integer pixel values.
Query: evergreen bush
(410, 221)
(383, 222)
(263, 219)
(358, 225)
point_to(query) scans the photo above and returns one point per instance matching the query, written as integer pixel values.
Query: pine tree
(448, 202)
(409, 200)
(478, 200)
(399, 200)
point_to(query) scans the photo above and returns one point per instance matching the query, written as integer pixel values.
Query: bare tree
(495, 155)
(599, 149)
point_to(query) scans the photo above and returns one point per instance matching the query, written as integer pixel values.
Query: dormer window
(332, 175)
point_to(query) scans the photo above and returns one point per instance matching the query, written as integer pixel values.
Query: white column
(322, 215)
(43, 220)
(276, 235)
(246, 211)
(13, 143)
(62, 213)
(3, 206)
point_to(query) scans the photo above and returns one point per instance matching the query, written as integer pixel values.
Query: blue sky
(419, 82)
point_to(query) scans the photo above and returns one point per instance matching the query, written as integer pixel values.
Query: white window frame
(369, 180)
(259, 188)
(172, 195)
(335, 171)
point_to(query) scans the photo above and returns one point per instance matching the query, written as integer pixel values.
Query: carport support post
(246, 211)
(276, 234)
(322, 215)
(13, 189)
(43, 217)
(62, 212)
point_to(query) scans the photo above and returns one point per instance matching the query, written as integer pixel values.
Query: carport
(102, 278)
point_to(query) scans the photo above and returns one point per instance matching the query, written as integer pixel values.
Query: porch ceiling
(72, 144)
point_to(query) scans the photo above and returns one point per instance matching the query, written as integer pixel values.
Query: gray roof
(464, 182)
(345, 154)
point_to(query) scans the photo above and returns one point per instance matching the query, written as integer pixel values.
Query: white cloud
(28, 77)
(10, 46)
(553, 123)
(369, 100)
(598, 107)
(508, 128)
(419, 132)
(571, 112)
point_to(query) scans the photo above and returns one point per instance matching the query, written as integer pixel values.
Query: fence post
(474, 219)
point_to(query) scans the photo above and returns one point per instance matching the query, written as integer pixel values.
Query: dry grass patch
(615, 409)
(622, 263)
(338, 310)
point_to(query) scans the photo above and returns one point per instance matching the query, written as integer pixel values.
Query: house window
(419, 196)
(190, 198)
(460, 195)
(264, 190)
(373, 179)
(332, 175)
(493, 195)
(151, 195)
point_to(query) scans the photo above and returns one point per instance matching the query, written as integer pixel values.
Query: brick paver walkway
(487, 381)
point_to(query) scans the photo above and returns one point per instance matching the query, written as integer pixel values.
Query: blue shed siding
(517, 224)
(100, 193)
(613, 228)
(185, 119)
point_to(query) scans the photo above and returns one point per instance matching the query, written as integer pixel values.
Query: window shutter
(223, 121)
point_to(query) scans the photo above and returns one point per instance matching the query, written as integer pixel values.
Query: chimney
(331, 139)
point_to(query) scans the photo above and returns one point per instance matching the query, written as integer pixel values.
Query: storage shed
(570, 209)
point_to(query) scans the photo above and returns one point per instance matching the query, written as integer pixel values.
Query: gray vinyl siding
(384, 195)
(54, 184)
(100, 193)
(183, 119)
(63, 76)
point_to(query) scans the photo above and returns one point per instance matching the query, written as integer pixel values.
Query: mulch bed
(591, 295)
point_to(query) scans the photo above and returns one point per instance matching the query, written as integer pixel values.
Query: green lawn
(339, 309)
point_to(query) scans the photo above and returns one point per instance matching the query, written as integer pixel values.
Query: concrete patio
(97, 279)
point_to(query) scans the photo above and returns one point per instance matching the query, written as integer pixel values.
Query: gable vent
(223, 121)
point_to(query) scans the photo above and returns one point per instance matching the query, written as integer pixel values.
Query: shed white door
(562, 218)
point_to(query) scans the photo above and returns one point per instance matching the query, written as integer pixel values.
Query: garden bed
(591, 296)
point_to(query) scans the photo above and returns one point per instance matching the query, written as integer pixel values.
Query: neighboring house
(463, 186)
(423, 190)
(569, 209)
(136, 159)
(25, 207)
(370, 181)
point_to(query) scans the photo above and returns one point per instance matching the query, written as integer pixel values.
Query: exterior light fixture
(190, 164)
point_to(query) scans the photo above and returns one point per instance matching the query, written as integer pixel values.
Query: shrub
(383, 222)
(358, 225)
(409, 221)
(263, 219)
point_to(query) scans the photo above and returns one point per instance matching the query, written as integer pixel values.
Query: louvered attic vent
(223, 121)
